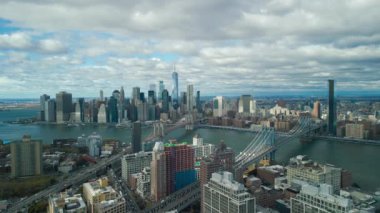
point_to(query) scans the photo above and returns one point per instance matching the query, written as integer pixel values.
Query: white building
(143, 183)
(63, 202)
(319, 198)
(279, 110)
(200, 149)
(102, 115)
(223, 194)
(94, 144)
(302, 168)
(100, 197)
(219, 106)
(247, 105)
(134, 163)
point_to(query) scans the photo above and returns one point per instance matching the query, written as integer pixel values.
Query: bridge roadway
(179, 200)
(76, 178)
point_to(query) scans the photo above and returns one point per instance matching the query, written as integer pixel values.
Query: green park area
(22, 187)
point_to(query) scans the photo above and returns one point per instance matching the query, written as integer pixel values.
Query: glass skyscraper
(175, 89)
(332, 109)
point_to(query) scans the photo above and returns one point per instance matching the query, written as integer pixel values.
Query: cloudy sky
(223, 47)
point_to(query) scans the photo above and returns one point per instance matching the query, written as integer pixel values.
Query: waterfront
(360, 159)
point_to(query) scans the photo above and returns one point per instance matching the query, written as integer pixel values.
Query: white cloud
(15, 40)
(227, 47)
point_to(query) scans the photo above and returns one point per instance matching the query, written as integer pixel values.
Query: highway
(76, 178)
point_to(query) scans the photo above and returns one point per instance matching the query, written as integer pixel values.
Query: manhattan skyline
(222, 48)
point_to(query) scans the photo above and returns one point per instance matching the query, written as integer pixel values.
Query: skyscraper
(63, 106)
(165, 101)
(136, 137)
(102, 114)
(113, 115)
(26, 157)
(175, 89)
(160, 89)
(332, 109)
(43, 99)
(198, 102)
(135, 95)
(101, 95)
(50, 110)
(158, 172)
(190, 98)
(219, 106)
(223, 194)
(316, 110)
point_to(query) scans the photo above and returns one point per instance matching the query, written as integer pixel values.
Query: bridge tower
(158, 129)
(189, 121)
(270, 142)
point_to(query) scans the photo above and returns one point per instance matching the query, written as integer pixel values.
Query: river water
(362, 160)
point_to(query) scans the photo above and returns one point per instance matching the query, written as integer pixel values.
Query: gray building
(26, 157)
(50, 110)
(63, 106)
(43, 99)
(136, 137)
(223, 194)
(190, 98)
(332, 109)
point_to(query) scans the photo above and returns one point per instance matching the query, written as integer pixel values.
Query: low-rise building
(143, 183)
(63, 202)
(100, 197)
(223, 194)
(319, 198)
(302, 168)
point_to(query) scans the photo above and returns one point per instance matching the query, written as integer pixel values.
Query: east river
(362, 160)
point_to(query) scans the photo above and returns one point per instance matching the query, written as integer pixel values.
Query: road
(75, 178)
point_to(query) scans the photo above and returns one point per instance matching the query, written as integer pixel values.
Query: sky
(222, 47)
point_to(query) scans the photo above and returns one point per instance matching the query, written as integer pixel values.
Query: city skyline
(222, 48)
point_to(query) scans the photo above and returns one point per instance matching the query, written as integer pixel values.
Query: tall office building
(113, 115)
(135, 95)
(50, 110)
(81, 108)
(43, 99)
(319, 198)
(190, 98)
(219, 106)
(223, 194)
(102, 114)
(332, 109)
(175, 88)
(136, 137)
(172, 168)
(134, 163)
(63, 106)
(183, 102)
(198, 102)
(26, 157)
(302, 168)
(246, 104)
(161, 88)
(165, 101)
(121, 105)
(180, 162)
(101, 95)
(158, 172)
(316, 110)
